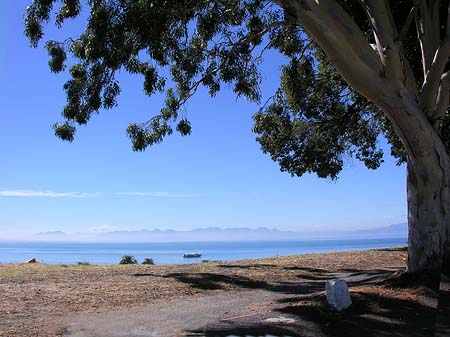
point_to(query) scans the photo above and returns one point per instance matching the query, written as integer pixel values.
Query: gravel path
(174, 318)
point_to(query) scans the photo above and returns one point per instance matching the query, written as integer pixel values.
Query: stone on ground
(338, 296)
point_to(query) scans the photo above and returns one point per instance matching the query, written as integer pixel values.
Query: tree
(128, 259)
(354, 69)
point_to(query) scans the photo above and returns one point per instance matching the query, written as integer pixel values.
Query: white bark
(428, 211)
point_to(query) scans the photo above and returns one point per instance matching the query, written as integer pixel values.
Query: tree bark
(428, 216)
(446, 251)
(428, 184)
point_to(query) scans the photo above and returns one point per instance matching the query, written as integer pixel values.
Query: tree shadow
(211, 281)
(370, 315)
(248, 330)
(443, 316)
(248, 266)
(313, 283)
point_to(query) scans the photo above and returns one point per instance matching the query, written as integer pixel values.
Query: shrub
(128, 259)
(83, 263)
(148, 260)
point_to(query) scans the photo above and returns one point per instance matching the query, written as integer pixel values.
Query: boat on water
(192, 255)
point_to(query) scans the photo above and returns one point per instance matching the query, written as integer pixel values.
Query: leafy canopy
(311, 123)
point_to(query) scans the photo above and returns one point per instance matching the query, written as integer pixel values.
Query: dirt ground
(35, 299)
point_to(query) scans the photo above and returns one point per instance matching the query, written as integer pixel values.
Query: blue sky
(216, 177)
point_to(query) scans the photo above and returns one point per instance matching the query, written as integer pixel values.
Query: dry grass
(34, 298)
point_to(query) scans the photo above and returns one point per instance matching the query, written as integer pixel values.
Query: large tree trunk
(428, 217)
(428, 188)
(446, 251)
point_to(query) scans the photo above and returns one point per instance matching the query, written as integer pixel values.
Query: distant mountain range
(224, 234)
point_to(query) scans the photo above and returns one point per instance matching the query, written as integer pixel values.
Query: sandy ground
(38, 300)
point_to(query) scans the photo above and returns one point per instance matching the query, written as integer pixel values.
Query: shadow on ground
(304, 303)
(369, 316)
(443, 318)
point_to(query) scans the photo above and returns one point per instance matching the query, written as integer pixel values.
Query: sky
(216, 177)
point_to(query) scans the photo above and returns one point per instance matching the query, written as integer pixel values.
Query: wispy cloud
(156, 194)
(395, 216)
(44, 194)
(51, 194)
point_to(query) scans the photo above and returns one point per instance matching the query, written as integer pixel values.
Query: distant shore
(36, 298)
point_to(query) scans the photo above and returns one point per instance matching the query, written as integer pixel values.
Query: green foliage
(65, 131)
(311, 124)
(128, 259)
(184, 127)
(84, 264)
(57, 56)
(148, 260)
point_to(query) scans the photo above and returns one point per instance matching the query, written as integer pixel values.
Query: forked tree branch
(443, 100)
(432, 81)
(343, 42)
(348, 49)
(397, 67)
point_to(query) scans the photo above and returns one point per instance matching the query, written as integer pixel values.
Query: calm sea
(172, 252)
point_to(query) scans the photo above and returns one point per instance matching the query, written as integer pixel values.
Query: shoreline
(172, 253)
(200, 260)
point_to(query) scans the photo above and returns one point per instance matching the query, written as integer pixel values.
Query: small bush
(148, 260)
(128, 259)
(83, 263)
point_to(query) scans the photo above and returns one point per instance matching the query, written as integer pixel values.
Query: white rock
(338, 296)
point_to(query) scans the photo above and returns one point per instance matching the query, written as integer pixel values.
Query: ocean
(172, 252)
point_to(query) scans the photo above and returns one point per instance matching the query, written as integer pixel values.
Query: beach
(39, 299)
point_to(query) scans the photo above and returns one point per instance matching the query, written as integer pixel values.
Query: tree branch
(422, 24)
(443, 100)
(409, 20)
(433, 78)
(448, 21)
(435, 24)
(342, 41)
(397, 67)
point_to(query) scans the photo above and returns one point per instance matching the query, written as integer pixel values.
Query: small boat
(192, 255)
